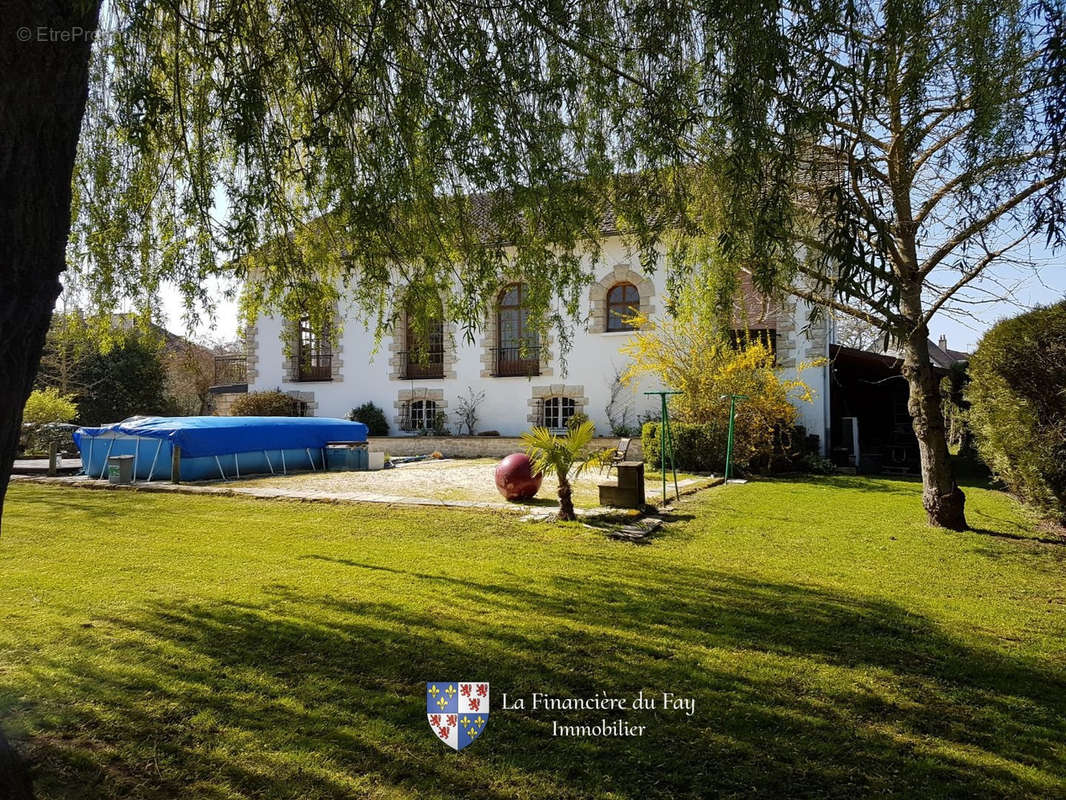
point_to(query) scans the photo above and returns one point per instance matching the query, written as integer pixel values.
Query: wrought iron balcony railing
(510, 362)
(420, 364)
(315, 367)
(230, 371)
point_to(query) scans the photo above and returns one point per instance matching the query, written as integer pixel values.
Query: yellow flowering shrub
(693, 356)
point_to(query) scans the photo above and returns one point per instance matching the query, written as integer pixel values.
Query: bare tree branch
(977, 226)
(971, 175)
(972, 273)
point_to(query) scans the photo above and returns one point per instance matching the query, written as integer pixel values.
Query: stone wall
(473, 446)
(221, 404)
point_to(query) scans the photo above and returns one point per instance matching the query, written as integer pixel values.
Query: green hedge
(1017, 397)
(701, 448)
(697, 447)
(273, 403)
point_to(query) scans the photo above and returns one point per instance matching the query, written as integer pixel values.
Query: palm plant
(568, 456)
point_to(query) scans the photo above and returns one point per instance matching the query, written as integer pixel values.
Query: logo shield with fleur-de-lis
(457, 711)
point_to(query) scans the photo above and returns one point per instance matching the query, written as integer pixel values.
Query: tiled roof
(483, 204)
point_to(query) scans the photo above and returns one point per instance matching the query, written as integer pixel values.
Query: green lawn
(165, 646)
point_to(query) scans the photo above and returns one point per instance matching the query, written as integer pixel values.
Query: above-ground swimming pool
(221, 447)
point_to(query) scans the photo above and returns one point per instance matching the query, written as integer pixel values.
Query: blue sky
(1042, 286)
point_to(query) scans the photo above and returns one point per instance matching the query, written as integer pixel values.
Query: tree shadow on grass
(882, 484)
(54, 501)
(799, 692)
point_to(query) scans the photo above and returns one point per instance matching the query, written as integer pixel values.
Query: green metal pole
(729, 440)
(662, 444)
(673, 459)
(666, 436)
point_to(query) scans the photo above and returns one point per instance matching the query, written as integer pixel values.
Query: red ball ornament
(515, 478)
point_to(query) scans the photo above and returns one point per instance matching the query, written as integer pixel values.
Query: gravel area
(440, 479)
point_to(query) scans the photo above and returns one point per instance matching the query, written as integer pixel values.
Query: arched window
(421, 415)
(557, 411)
(424, 342)
(517, 351)
(623, 301)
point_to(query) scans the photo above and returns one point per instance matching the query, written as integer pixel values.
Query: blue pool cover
(214, 447)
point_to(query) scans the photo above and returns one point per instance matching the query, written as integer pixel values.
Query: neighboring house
(944, 357)
(416, 376)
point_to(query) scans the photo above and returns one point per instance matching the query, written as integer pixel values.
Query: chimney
(943, 343)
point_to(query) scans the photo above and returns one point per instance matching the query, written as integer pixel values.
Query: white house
(521, 375)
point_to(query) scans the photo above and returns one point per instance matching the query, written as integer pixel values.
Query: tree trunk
(43, 86)
(15, 781)
(943, 500)
(566, 505)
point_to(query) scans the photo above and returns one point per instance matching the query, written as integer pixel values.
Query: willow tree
(918, 146)
(400, 147)
(405, 148)
(942, 140)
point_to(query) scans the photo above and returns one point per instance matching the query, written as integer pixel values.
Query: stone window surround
(251, 353)
(540, 393)
(405, 396)
(291, 368)
(621, 273)
(398, 345)
(795, 345)
(490, 341)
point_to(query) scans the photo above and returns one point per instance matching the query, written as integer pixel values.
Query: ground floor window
(421, 415)
(557, 411)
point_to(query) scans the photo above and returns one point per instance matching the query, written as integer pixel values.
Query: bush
(698, 447)
(440, 424)
(701, 447)
(815, 464)
(48, 405)
(1018, 406)
(690, 354)
(125, 380)
(274, 403)
(371, 416)
(36, 439)
(467, 410)
(577, 420)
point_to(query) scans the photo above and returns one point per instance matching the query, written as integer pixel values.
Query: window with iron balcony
(424, 342)
(518, 345)
(314, 357)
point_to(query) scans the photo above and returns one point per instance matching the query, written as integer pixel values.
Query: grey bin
(120, 469)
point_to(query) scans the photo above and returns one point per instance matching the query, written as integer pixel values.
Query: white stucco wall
(591, 363)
